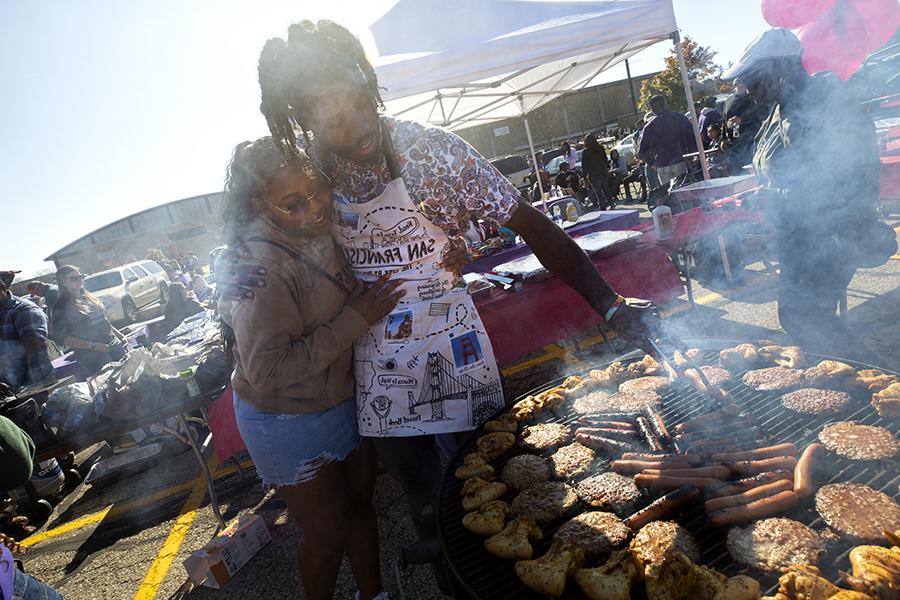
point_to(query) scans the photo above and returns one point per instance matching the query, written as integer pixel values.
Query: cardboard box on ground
(216, 563)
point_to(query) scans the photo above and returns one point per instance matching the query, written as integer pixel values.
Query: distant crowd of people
(65, 315)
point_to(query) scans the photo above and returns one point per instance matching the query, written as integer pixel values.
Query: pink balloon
(837, 42)
(882, 17)
(792, 14)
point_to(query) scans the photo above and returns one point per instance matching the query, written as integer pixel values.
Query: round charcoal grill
(485, 576)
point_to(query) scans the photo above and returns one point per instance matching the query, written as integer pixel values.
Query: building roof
(140, 222)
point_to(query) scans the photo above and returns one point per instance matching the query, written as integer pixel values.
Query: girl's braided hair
(291, 70)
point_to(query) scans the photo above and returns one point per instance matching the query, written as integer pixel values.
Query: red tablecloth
(520, 323)
(890, 177)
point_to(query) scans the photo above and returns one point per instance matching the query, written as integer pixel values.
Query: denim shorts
(290, 449)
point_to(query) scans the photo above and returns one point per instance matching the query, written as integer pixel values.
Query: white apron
(428, 367)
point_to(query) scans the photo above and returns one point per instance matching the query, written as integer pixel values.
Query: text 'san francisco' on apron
(428, 367)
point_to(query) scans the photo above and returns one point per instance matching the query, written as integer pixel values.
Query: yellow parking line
(166, 555)
(121, 509)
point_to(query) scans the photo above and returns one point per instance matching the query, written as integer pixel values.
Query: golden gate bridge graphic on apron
(428, 367)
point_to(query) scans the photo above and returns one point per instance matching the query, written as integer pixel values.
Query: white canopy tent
(465, 62)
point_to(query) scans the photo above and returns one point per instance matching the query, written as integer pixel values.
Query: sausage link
(714, 471)
(658, 425)
(692, 459)
(803, 477)
(773, 505)
(757, 493)
(649, 435)
(636, 466)
(753, 467)
(758, 453)
(666, 482)
(662, 506)
(613, 434)
(602, 443)
(742, 485)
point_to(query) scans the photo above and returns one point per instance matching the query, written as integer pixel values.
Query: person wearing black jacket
(595, 166)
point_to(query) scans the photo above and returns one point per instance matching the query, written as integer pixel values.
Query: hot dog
(624, 425)
(803, 478)
(676, 458)
(613, 434)
(658, 425)
(636, 466)
(742, 485)
(779, 503)
(667, 482)
(751, 495)
(714, 471)
(752, 467)
(649, 435)
(602, 443)
(662, 506)
(756, 454)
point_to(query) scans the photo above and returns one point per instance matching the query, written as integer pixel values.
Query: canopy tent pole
(534, 164)
(676, 37)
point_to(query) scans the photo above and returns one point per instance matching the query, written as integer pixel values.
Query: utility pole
(631, 88)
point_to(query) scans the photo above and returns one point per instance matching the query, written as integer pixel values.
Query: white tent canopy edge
(476, 61)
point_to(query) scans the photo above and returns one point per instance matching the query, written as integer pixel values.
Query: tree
(702, 71)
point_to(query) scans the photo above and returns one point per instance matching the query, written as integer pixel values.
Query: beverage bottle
(662, 222)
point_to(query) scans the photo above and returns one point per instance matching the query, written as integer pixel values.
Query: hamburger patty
(772, 379)
(653, 383)
(544, 436)
(775, 544)
(812, 401)
(716, 375)
(524, 471)
(655, 541)
(609, 490)
(859, 442)
(545, 501)
(600, 402)
(571, 461)
(857, 511)
(594, 532)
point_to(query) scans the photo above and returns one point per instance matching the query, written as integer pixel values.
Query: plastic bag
(69, 408)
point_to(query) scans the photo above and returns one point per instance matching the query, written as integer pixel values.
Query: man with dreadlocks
(404, 192)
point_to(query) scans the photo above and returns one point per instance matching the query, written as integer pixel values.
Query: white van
(126, 290)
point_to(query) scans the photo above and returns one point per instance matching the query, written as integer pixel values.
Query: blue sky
(112, 107)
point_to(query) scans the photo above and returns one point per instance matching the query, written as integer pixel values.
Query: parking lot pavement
(159, 516)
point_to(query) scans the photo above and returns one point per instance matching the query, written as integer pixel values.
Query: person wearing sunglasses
(79, 322)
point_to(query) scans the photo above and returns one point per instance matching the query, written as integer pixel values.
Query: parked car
(553, 165)
(627, 148)
(126, 290)
(515, 168)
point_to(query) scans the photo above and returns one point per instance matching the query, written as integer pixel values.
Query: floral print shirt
(443, 174)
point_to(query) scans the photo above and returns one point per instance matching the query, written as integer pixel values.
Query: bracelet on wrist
(613, 308)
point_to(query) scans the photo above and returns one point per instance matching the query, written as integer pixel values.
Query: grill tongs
(682, 366)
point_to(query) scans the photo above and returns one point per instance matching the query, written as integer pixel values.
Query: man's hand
(635, 320)
(455, 255)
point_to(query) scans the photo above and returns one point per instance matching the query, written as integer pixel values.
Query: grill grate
(486, 576)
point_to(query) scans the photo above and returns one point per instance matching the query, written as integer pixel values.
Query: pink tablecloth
(890, 177)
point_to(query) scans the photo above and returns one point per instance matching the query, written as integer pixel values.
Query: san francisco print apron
(428, 367)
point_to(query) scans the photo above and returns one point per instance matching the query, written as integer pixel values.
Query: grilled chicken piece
(739, 587)
(477, 491)
(645, 366)
(611, 581)
(489, 519)
(806, 583)
(514, 542)
(829, 374)
(525, 409)
(887, 401)
(742, 356)
(492, 445)
(473, 465)
(547, 575)
(504, 423)
(610, 376)
(876, 571)
(874, 380)
(678, 578)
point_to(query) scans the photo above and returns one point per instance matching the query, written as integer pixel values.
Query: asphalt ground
(128, 539)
